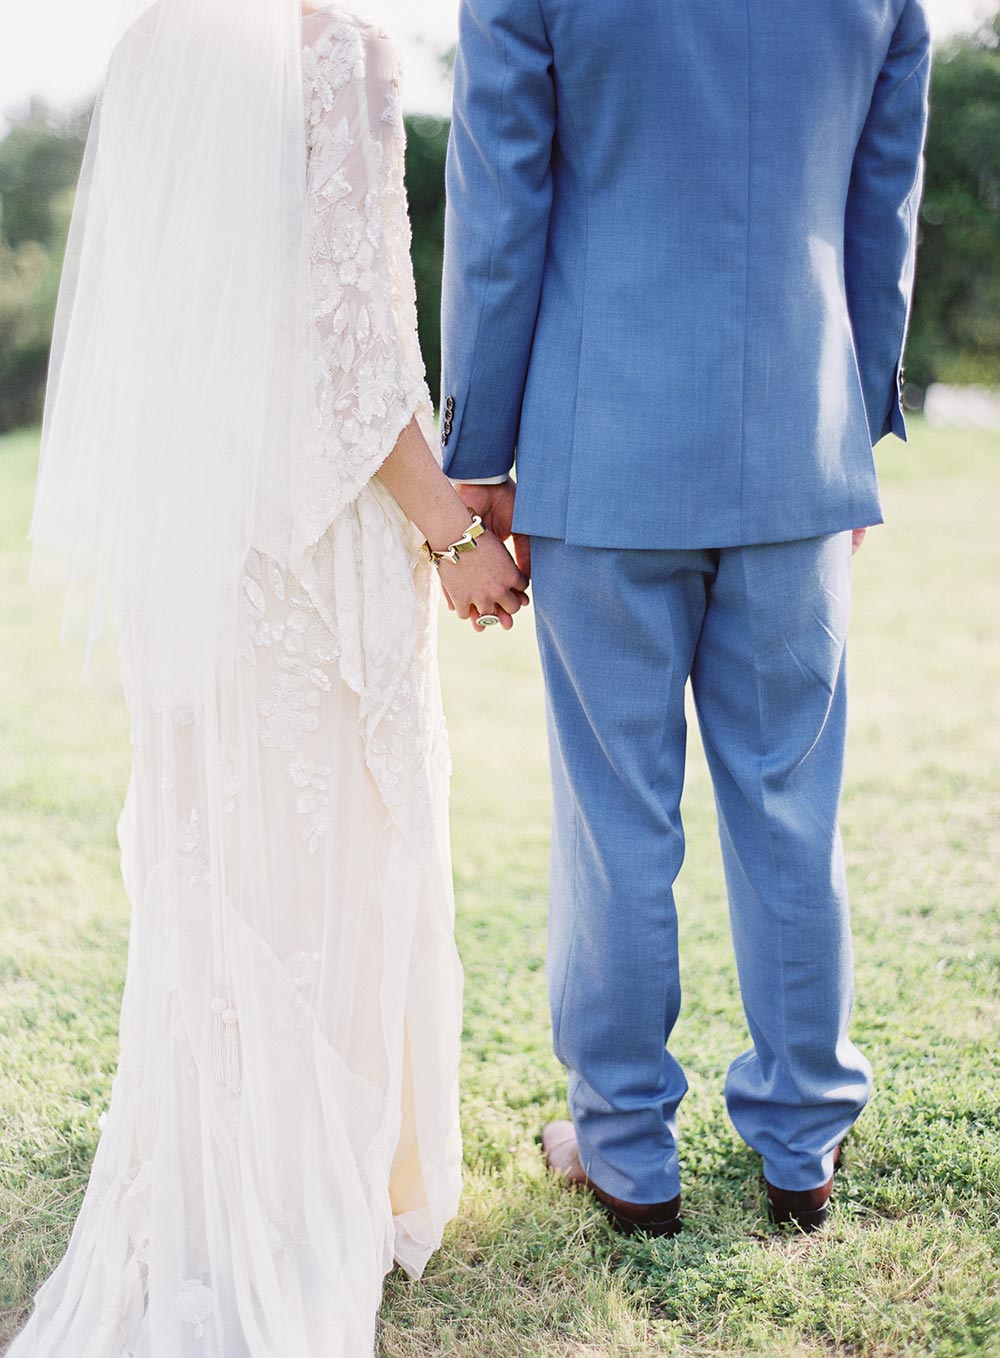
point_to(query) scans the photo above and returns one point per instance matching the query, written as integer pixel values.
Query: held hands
(495, 506)
(483, 582)
(478, 575)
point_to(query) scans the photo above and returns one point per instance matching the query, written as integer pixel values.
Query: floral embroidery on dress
(194, 1303)
(192, 849)
(234, 773)
(302, 967)
(393, 112)
(290, 710)
(115, 1304)
(287, 1232)
(329, 64)
(304, 651)
(289, 713)
(368, 372)
(313, 800)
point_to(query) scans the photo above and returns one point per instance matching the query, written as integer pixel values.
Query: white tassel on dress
(226, 1046)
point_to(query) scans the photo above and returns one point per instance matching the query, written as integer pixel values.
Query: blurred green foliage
(39, 163)
(29, 277)
(954, 336)
(426, 147)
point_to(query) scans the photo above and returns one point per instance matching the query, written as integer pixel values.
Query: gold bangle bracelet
(466, 543)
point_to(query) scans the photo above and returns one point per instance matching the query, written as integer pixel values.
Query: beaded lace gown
(277, 1138)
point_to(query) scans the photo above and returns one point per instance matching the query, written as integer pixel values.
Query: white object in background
(947, 407)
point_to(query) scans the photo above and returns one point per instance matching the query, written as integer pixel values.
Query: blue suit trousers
(760, 631)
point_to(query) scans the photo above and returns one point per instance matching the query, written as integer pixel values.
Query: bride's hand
(484, 581)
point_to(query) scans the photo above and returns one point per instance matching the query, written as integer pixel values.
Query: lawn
(910, 1263)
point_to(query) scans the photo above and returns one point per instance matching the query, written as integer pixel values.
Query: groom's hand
(495, 506)
(858, 536)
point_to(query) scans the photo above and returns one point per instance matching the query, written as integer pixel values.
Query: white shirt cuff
(479, 480)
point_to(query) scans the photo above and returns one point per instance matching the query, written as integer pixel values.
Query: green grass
(911, 1260)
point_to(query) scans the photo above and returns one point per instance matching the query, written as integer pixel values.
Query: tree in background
(39, 160)
(39, 163)
(426, 147)
(955, 335)
(29, 277)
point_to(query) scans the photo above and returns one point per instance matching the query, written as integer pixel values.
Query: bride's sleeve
(369, 379)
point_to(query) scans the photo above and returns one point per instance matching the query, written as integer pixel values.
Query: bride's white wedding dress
(275, 1142)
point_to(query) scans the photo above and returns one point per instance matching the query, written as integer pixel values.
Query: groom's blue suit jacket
(679, 256)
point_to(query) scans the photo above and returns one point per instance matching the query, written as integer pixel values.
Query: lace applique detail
(304, 652)
(303, 648)
(313, 800)
(287, 1232)
(234, 774)
(302, 968)
(194, 1303)
(290, 713)
(368, 375)
(328, 65)
(392, 114)
(114, 1308)
(192, 850)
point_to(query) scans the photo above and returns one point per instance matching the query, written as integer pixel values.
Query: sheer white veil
(177, 365)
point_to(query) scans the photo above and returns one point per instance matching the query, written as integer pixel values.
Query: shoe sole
(807, 1221)
(659, 1229)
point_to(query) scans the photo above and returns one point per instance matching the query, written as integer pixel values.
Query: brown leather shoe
(807, 1209)
(563, 1158)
